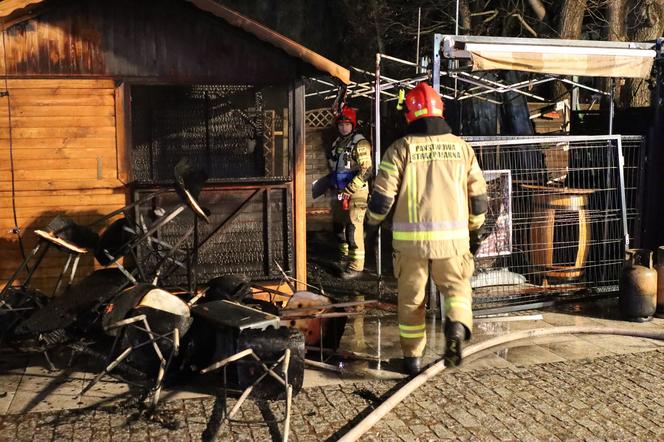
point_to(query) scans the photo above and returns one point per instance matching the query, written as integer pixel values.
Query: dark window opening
(234, 132)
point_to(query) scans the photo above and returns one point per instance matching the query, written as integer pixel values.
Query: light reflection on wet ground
(377, 335)
(22, 381)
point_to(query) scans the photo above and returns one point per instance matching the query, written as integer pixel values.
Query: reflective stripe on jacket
(432, 179)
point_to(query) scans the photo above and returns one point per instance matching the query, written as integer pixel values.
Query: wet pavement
(613, 397)
(563, 387)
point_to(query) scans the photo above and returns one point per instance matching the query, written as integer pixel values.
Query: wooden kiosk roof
(15, 11)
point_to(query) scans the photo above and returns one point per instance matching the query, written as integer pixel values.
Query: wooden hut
(99, 100)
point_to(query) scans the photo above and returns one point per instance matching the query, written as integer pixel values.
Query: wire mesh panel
(223, 129)
(634, 150)
(567, 218)
(257, 236)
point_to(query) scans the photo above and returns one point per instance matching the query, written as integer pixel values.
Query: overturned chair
(20, 301)
(63, 234)
(125, 235)
(257, 357)
(147, 323)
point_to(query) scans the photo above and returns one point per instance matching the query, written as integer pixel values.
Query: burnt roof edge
(15, 8)
(266, 34)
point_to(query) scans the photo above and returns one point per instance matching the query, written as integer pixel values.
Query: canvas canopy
(551, 56)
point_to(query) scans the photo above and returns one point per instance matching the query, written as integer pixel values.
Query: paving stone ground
(607, 398)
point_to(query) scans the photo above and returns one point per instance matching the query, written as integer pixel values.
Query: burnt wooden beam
(299, 184)
(287, 198)
(267, 231)
(123, 132)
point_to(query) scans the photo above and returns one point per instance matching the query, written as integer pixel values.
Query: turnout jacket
(439, 190)
(350, 162)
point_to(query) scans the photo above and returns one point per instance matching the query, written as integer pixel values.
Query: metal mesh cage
(257, 235)
(220, 128)
(572, 204)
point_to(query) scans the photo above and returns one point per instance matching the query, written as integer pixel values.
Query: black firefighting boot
(412, 365)
(349, 274)
(455, 334)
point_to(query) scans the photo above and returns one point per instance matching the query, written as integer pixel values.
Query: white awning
(550, 56)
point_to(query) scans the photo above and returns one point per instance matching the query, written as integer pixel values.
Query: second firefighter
(351, 168)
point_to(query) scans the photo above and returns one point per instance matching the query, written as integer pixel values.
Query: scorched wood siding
(129, 38)
(65, 161)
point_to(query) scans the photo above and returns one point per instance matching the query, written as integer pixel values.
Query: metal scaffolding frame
(446, 63)
(445, 50)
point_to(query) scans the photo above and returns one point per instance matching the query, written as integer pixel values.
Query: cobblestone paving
(614, 397)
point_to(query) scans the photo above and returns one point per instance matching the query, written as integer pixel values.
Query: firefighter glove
(476, 238)
(347, 191)
(354, 184)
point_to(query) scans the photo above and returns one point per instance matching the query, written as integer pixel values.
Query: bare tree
(615, 31)
(571, 18)
(617, 14)
(645, 22)
(465, 16)
(570, 27)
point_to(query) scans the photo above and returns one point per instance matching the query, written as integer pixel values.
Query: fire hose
(357, 431)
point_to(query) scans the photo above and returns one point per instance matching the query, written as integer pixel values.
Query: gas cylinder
(660, 281)
(638, 286)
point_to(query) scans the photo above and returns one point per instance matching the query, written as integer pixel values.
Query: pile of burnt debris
(145, 332)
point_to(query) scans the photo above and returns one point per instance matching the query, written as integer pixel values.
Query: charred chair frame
(144, 232)
(74, 246)
(284, 360)
(173, 337)
(45, 242)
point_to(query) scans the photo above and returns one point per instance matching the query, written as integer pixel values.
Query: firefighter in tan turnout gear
(440, 194)
(351, 167)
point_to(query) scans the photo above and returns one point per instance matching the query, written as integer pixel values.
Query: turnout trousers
(452, 278)
(349, 228)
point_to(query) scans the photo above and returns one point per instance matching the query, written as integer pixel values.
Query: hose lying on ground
(357, 431)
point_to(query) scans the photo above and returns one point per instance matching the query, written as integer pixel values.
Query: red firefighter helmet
(347, 114)
(423, 101)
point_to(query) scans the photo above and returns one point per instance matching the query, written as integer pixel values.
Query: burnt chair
(63, 234)
(147, 323)
(244, 351)
(79, 306)
(19, 302)
(123, 237)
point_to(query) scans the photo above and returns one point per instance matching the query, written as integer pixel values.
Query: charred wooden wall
(68, 69)
(64, 158)
(169, 41)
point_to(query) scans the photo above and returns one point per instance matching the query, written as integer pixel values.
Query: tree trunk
(646, 23)
(379, 33)
(571, 19)
(464, 17)
(617, 11)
